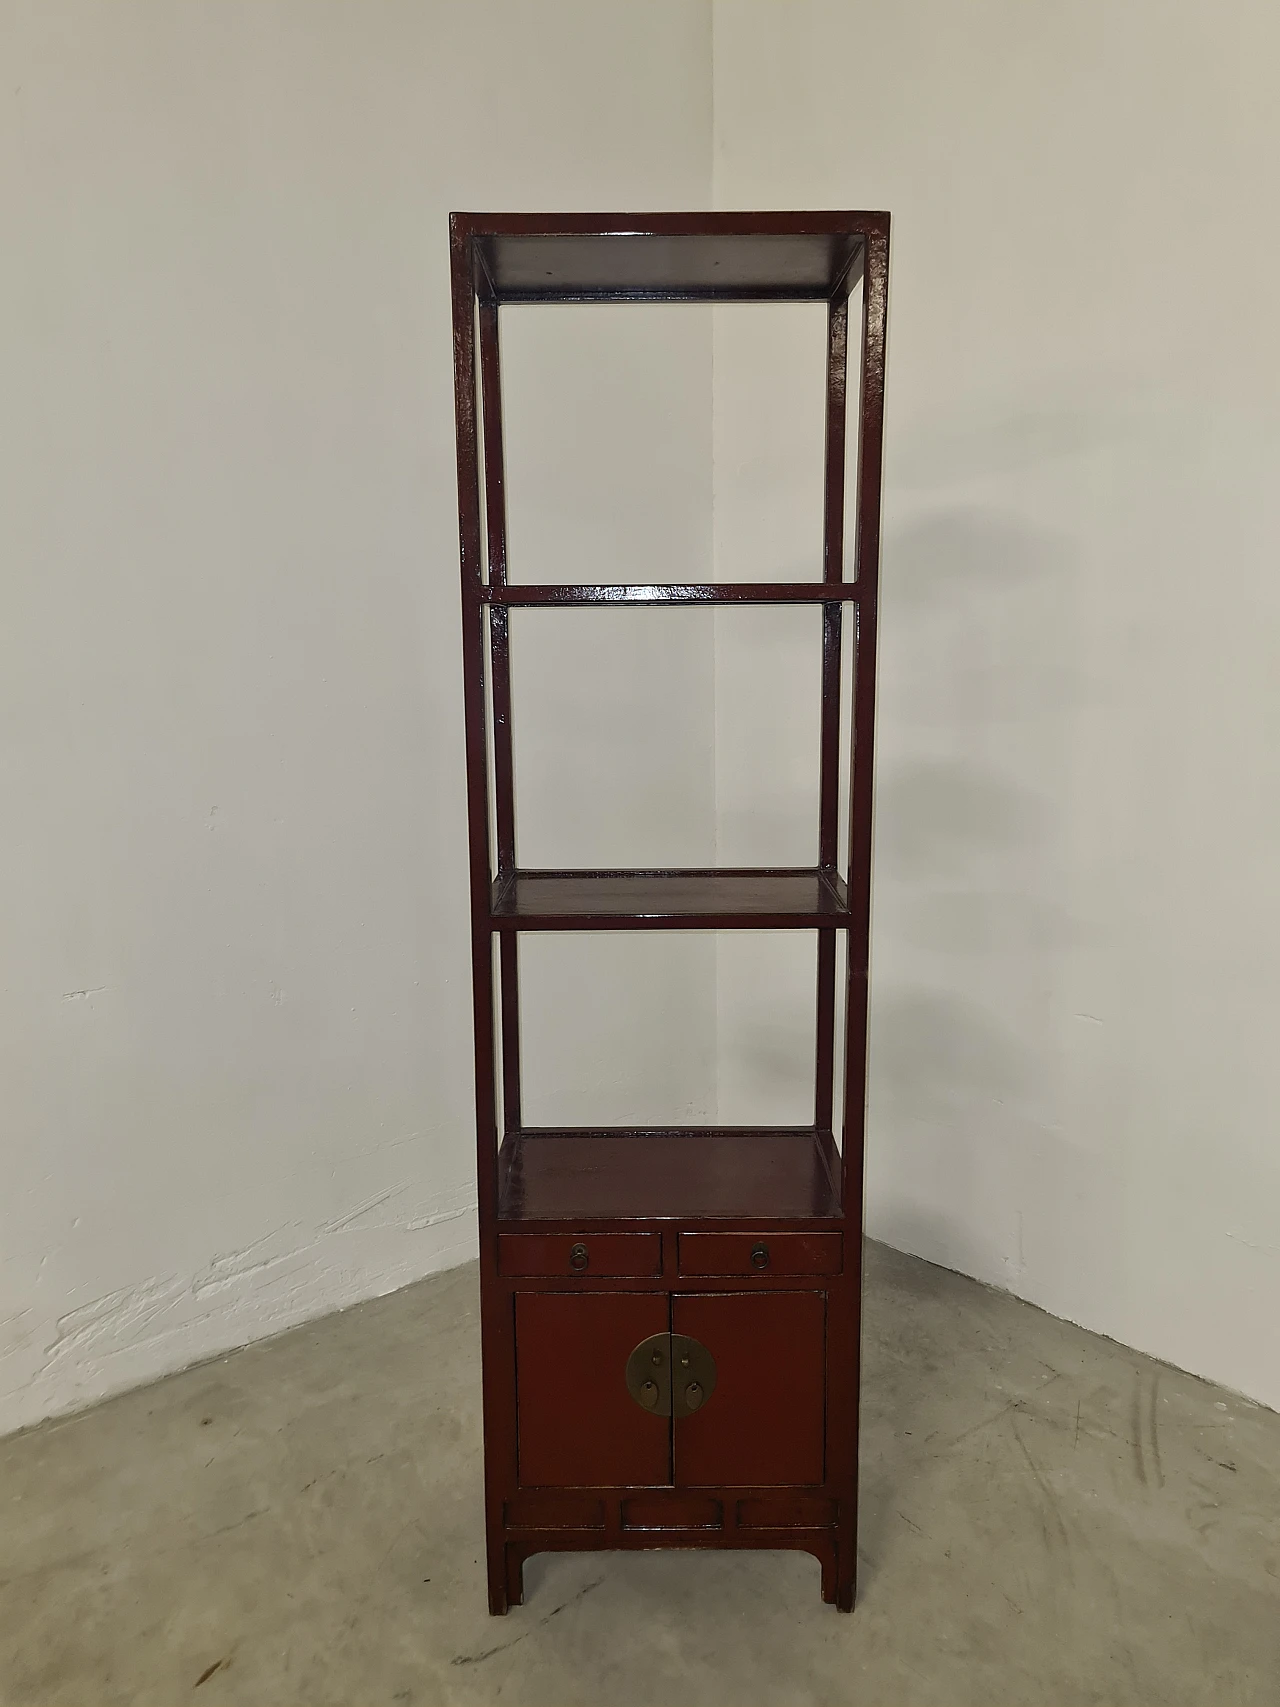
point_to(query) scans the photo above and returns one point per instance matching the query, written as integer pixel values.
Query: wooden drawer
(559, 1255)
(761, 1253)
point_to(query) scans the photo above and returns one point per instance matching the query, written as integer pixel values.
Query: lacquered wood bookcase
(670, 1317)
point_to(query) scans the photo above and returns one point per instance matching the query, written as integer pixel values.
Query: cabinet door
(763, 1423)
(578, 1425)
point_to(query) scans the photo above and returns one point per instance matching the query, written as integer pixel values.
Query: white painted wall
(1077, 922)
(768, 448)
(234, 1011)
(235, 1006)
(608, 478)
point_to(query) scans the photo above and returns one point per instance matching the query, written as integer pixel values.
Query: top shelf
(759, 257)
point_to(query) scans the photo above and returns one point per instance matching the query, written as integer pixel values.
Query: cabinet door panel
(578, 1425)
(763, 1424)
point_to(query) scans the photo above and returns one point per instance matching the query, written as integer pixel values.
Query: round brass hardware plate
(671, 1375)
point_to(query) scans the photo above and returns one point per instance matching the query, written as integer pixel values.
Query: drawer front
(557, 1256)
(761, 1253)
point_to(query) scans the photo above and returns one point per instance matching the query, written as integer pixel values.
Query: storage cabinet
(670, 1315)
(580, 1423)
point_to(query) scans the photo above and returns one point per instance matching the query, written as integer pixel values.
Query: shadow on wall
(973, 935)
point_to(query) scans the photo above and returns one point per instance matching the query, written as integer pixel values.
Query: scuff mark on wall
(341, 1222)
(115, 1314)
(162, 1323)
(377, 1144)
(417, 1224)
(450, 1207)
(14, 1334)
(231, 1268)
(1253, 1245)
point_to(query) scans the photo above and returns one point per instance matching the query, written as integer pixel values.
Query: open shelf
(668, 257)
(672, 593)
(680, 900)
(558, 1340)
(669, 1173)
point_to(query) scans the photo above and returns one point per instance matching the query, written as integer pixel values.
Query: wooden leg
(846, 1572)
(515, 1576)
(827, 1559)
(499, 1599)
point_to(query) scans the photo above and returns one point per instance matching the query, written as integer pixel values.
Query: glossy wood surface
(687, 1207)
(496, 1319)
(673, 593)
(553, 1509)
(672, 1511)
(667, 257)
(667, 1175)
(763, 1424)
(760, 1253)
(783, 1510)
(568, 1256)
(578, 1424)
(713, 900)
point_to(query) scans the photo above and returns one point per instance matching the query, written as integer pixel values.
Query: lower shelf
(668, 1174)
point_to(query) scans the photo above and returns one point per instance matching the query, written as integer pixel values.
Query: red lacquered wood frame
(750, 1238)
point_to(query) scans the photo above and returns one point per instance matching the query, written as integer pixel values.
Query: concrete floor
(1047, 1518)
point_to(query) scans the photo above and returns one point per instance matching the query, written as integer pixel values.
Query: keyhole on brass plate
(693, 1389)
(649, 1391)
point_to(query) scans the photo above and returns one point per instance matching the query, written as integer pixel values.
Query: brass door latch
(671, 1375)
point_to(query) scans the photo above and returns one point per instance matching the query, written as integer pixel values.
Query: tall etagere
(670, 1317)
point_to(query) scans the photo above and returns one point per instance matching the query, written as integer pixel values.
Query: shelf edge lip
(517, 298)
(833, 911)
(675, 593)
(723, 222)
(737, 921)
(610, 1132)
(827, 1220)
(611, 871)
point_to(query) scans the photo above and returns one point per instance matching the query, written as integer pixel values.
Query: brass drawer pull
(578, 1258)
(760, 1255)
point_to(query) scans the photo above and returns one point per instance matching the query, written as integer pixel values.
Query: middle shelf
(796, 899)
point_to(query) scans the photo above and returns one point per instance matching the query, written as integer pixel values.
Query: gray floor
(1048, 1518)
